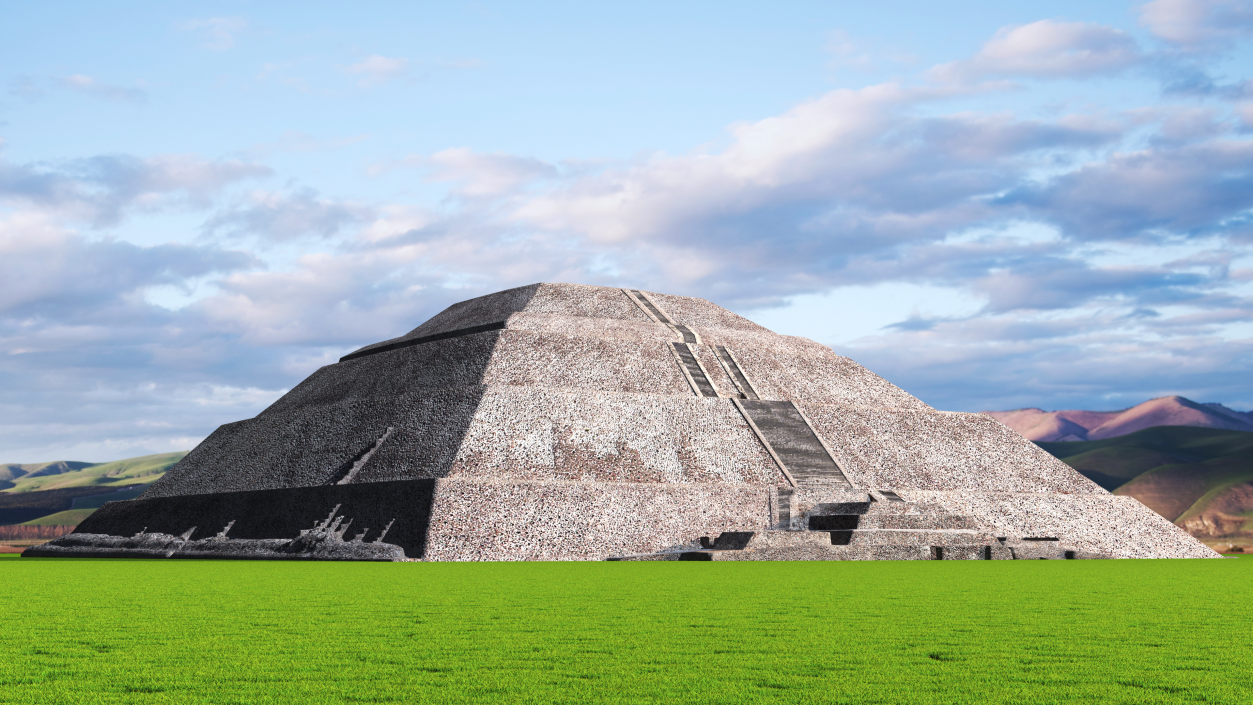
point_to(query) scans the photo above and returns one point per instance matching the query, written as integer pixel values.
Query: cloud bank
(1107, 250)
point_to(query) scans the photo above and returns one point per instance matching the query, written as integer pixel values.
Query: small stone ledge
(324, 542)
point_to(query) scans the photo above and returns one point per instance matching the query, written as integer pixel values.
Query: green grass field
(79, 631)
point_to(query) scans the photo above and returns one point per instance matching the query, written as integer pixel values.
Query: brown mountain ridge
(1078, 425)
(1199, 478)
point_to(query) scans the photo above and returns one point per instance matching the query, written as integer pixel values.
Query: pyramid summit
(571, 422)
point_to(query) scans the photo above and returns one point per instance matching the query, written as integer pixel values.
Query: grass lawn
(919, 632)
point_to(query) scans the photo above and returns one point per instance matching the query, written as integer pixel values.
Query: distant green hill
(1199, 478)
(63, 474)
(65, 492)
(15, 471)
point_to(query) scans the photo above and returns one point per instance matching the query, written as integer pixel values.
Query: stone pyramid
(569, 422)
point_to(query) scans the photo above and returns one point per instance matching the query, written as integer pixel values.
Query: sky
(993, 205)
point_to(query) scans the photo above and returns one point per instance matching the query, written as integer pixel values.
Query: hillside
(1076, 425)
(65, 474)
(14, 471)
(64, 492)
(1199, 478)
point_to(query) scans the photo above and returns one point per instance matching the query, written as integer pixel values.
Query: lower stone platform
(916, 525)
(467, 520)
(818, 552)
(814, 546)
(436, 519)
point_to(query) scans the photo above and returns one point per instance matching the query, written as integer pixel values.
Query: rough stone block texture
(557, 421)
(970, 553)
(869, 537)
(785, 371)
(553, 434)
(148, 545)
(644, 332)
(455, 363)
(527, 359)
(305, 447)
(508, 357)
(897, 448)
(699, 313)
(459, 520)
(502, 432)
(401, 508)
(1095, 523)
(567, 300)
(582, 520)
(827, 553)
(910, 521)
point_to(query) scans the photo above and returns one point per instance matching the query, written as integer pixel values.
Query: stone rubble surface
(556, 422)
(935, 450)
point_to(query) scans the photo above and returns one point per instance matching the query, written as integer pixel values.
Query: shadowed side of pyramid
(561, 421)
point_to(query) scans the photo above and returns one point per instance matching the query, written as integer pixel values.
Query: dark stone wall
(279, 514)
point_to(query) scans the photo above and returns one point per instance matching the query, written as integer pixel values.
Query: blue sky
(991, 204)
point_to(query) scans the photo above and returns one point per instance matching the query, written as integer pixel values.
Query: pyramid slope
(576, 422)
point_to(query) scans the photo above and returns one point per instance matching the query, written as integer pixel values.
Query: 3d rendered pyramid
(560, 421)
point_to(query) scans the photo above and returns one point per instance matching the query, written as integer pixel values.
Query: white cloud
(1023, 254)
(101, 189)
(92, 87)
(376, 70)
(479, 174)
(280, 216)
(848, 167)
(395, 221)
(845, 52)
(1194, 23)
(813, 146)
(1047, 49)
(1245, 111)
(50, 270)
(217, 33)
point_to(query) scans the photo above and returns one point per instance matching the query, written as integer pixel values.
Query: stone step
(694, 370)
(844, 522)
(664, 556)
(821, 483)
(793, 441)
(837, 505)
(648, 304)
(810, 546)
(816, 553)
(887, 552)
(972, 552)
(742, 540)
(1031, 548)
(737, 375)
(835, 508)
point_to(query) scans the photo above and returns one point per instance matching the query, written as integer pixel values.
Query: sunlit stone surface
(569, 422)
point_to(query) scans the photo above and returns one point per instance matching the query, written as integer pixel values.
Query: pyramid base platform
(496, 520)
(434, 520)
